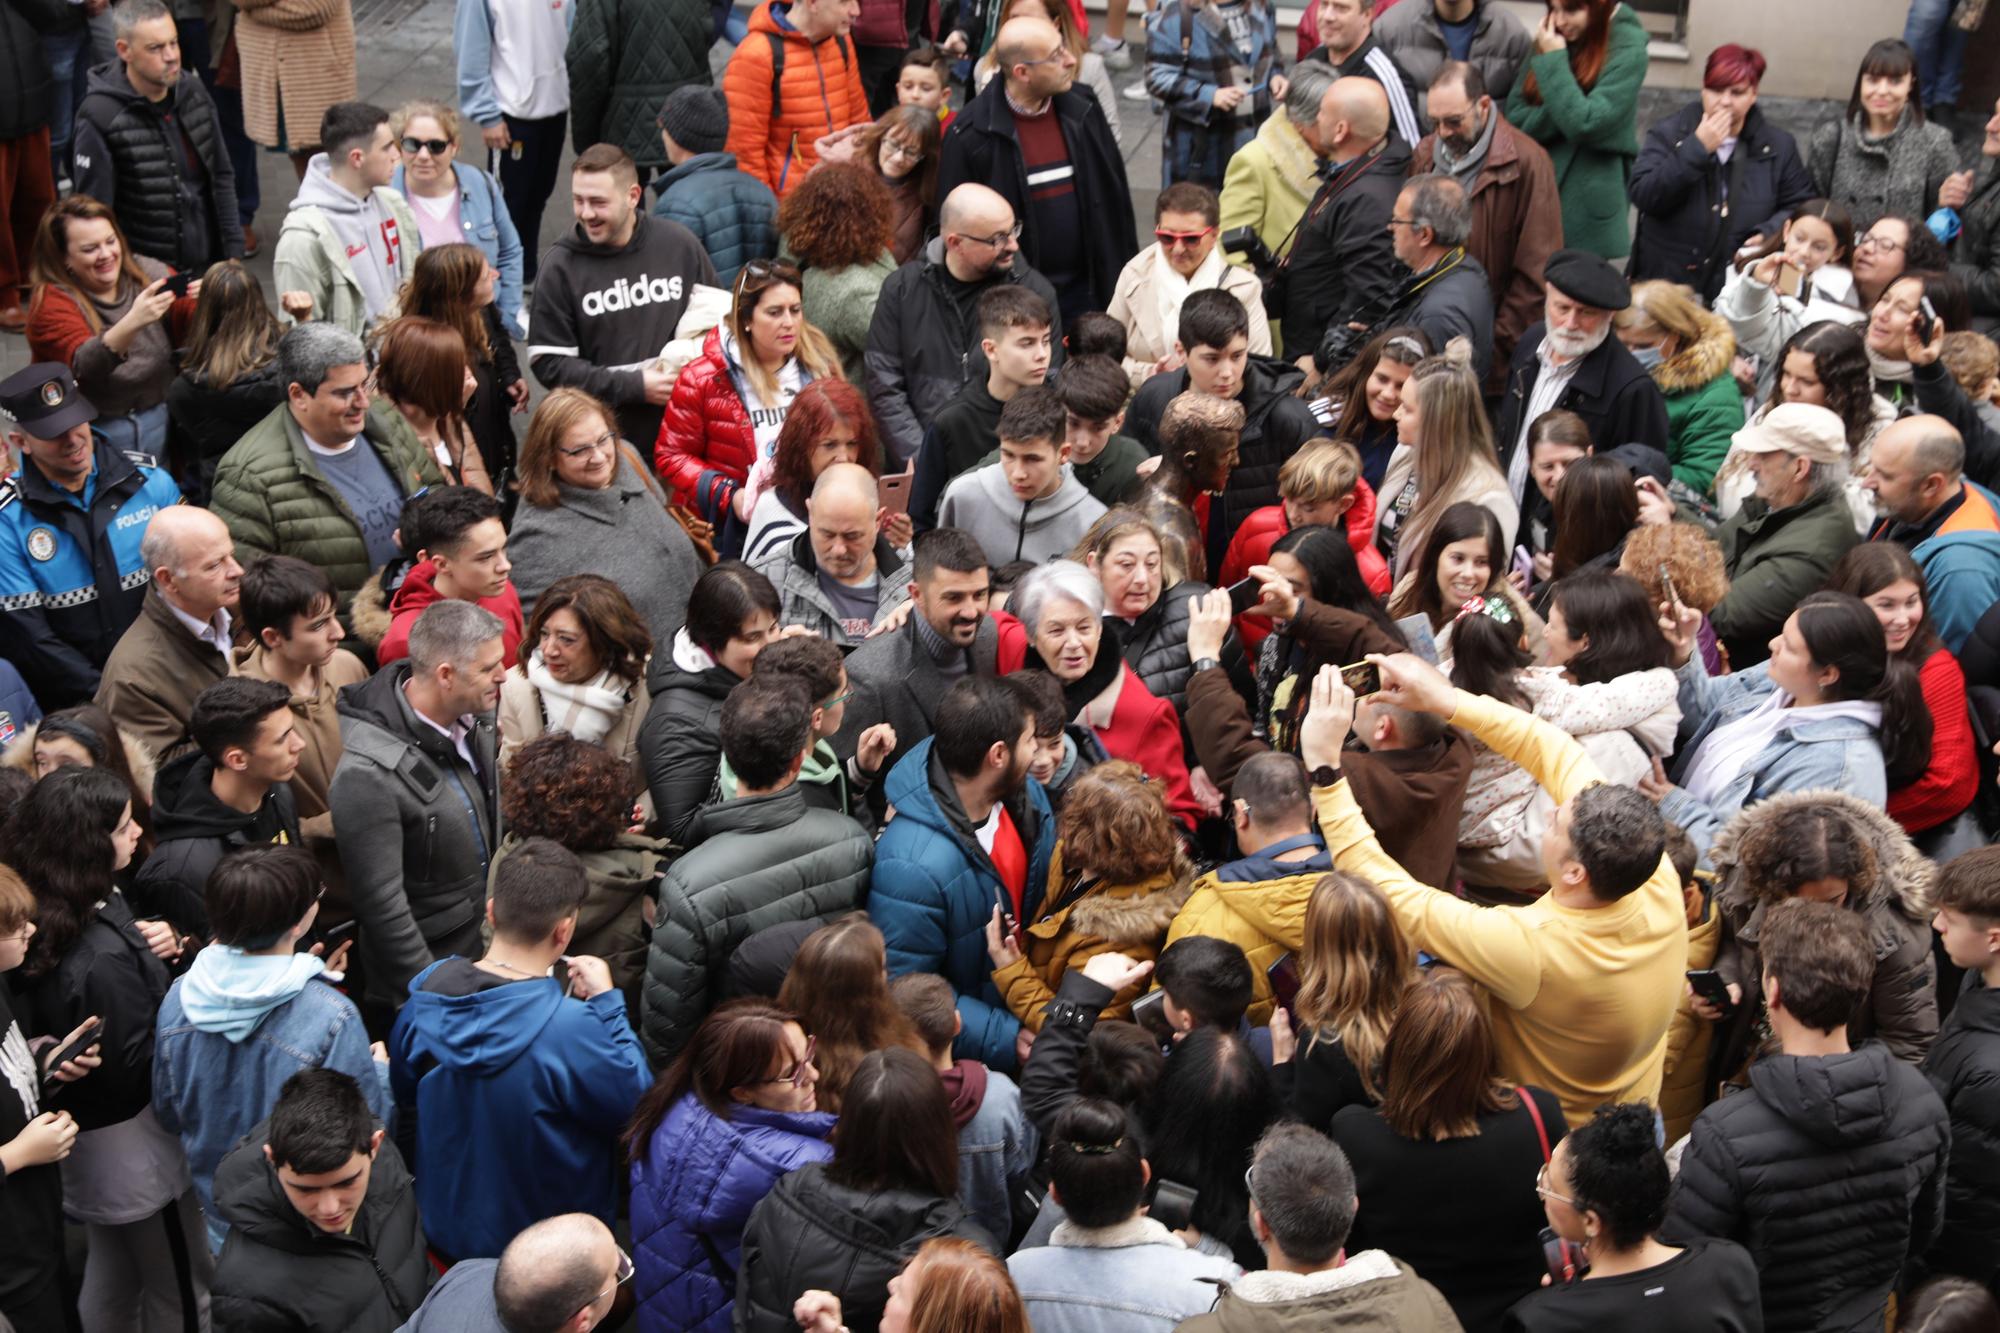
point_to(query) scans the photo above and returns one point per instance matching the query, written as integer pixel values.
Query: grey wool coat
(1874, 177)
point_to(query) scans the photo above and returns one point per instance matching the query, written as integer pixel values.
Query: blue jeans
(1940, 47)
(69, 68)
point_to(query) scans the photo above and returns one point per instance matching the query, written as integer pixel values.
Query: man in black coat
(1047, 148)
(1214, 338)
(1830, 1168)
(1975, 255)
(148, 144)
(1695, 209)
(1964, 1067)
(233, 791)
(1447, 293)
(323, 1226)
(1570, 360)
(1343, 264)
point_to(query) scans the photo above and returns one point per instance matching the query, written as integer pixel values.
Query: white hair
(1057, 581)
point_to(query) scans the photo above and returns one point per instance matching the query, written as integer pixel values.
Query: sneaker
(13, 319)
(1117, 54)
(1137, 93)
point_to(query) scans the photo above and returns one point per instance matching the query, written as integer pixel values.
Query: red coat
(707, 444)
(1144, 727)
(1258, 533)
(418, 591)
(1951, 780)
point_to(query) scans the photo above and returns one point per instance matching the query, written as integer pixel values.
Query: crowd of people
(1434, 744)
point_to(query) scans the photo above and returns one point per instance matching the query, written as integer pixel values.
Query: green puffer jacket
(1704, 406)
(1592, 136)
(274, 499)
(624, 57)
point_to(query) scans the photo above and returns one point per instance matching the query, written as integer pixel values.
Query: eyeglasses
(1054, 55)
(837, 700)
(619, 1277)
(438, 147)
(1882, 243)
(1250, 1186)
(996, 240)
(355, 392)
(1542, 1188)
(902, 150)
(1171, 239)
(797, 1078)
(606, 443)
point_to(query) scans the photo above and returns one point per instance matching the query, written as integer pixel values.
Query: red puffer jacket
(1260, 532)
(706, 444)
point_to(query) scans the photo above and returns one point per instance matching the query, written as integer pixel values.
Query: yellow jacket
(1585, 997)
(1264, 918)
(1684, 1087)
(1108, 918)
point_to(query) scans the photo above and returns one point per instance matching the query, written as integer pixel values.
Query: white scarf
(1171, 290)
(587, 711)
(1888, 369)
(1730, 747)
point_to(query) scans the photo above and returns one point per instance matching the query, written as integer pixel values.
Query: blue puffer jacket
(732, 213)
(935, 890)
(1841, 754)
(691, 1195)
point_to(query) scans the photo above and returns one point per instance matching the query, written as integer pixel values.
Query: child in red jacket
(1321, 483)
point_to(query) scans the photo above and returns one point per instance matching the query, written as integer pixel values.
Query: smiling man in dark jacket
(148, 144)
(323, 1226)
(1053, 160)
(1830, 1169)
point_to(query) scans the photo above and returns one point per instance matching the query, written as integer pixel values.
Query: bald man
(181, 642)
(923, 343)
(1045, 145)
(1916, 469)
(1343, 264)
(840, 576)
(560, 1275)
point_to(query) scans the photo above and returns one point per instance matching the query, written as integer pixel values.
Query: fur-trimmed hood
(1700, 362)
(21, 755)
(370, 611)
(1904, 876)
(1133, 915)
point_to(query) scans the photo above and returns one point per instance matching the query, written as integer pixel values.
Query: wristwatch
(1325, 775)
(1204, 663)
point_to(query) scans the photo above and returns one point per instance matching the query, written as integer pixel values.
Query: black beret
(1582, 276)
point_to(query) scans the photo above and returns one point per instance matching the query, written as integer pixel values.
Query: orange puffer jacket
(819, 91)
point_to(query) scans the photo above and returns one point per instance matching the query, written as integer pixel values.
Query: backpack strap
(777, 41)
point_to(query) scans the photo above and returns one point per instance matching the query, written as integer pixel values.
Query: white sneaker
(1117, 54)
(1137, 93)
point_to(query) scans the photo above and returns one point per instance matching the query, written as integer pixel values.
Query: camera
(1246, 242)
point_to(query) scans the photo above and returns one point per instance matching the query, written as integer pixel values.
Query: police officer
(71, 579)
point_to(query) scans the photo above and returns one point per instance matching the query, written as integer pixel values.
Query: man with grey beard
(1570, 360)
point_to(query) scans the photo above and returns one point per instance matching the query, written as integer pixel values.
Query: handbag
(699, 530)
(1572, 1254)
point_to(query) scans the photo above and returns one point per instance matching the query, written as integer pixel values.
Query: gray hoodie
(982, 503)
(365, 226)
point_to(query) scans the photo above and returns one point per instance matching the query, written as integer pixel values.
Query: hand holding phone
(1364, 678)
(177, 283)
(75, 1048)
(1149, 1011)
(893, 491)
(1707, 984)
(1244, 594)
(1566, 1262)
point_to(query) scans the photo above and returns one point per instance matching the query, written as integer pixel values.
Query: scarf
(1171, 290)
(1888, 368)
(1465, 170)
(587, 711)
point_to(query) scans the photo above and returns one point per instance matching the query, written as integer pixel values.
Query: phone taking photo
(1149, 1011)
(177, 283)
(1364, 678)
(1667, 586)
(1244, 594)
(1791, 280)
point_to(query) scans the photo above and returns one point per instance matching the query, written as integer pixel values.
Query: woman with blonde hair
(1444, 454)
(454, 284)
(456, 203)
(229, 377)
(108, 315)
(949, 1286)
(1116, 880)
(838, 985)
(589, 505)
(421, 367)
(1453, 1151)
(1688, 351)
(1352, 974)
(730, 402)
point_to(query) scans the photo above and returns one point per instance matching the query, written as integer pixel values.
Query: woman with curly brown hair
(838, 985)
(576, 794)
(1686, 554)
(1117, 877)
(839, 226)
(584, 671)
(904, 147)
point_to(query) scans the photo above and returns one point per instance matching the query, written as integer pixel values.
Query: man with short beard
(1570, 360)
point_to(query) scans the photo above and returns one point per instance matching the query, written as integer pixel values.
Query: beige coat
(153, 675)
(1481, 487)
(298, 54)
(1135, 304)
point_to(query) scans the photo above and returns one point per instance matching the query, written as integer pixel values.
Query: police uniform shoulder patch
(140, 457)
(42, 544)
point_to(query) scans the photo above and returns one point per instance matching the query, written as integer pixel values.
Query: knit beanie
(697, 118)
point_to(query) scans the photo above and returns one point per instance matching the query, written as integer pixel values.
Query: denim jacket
(212, 1090)
(1134, 1277)
(482, 212)
(1838, 753)
(996, 1150)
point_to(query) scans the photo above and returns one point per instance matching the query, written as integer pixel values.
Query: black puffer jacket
(24, 76)
(1902, 1005)
(111, 973)
(1276, 422)
(1688, 225)
(1830, 1170)
(810, 1234)
(1155, 645)
(195, 831)
(207, 420)
(680, 742)
(1964, 1067)
(1975, 255)
(278, 1270)
(128, 156)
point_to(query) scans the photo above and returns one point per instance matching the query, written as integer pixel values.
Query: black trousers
(527, 173)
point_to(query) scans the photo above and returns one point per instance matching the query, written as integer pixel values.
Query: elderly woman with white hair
(1061, 607)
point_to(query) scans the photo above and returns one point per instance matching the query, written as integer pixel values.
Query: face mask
(1648, 357)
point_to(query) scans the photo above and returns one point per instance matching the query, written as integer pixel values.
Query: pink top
(437, 228)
